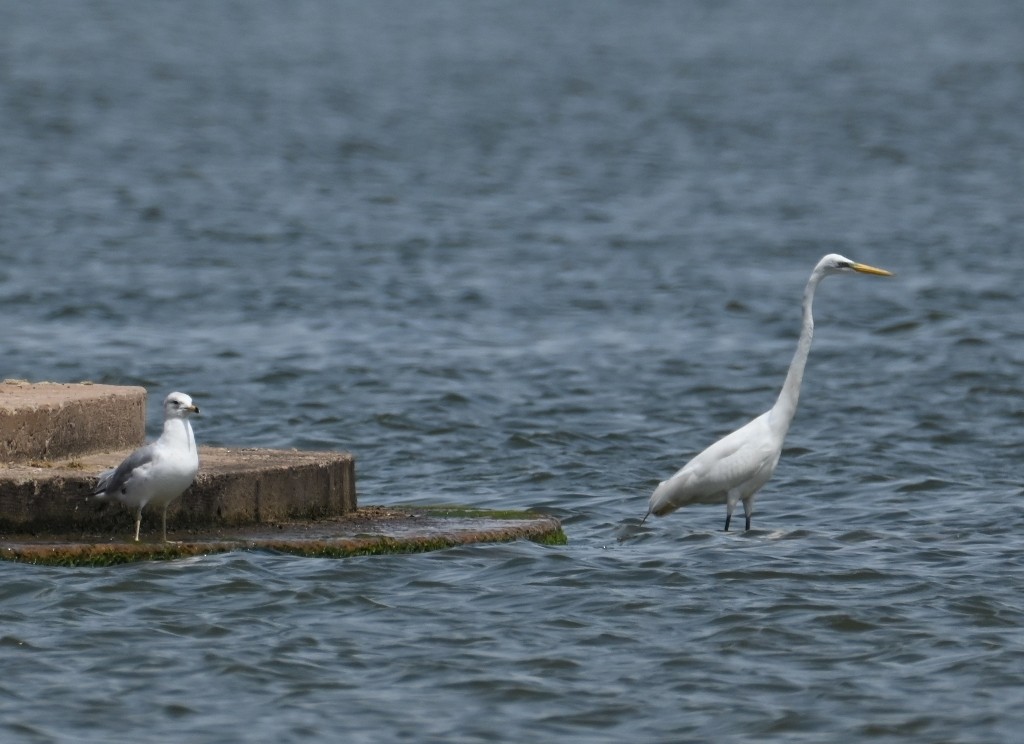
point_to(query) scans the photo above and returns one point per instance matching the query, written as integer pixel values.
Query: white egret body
(157, 473)
(734, 468)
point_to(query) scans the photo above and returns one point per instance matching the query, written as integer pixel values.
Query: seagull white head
(179, 405)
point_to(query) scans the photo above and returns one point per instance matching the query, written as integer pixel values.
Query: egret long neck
(785, 407)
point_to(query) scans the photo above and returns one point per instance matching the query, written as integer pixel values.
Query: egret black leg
(728, 518)
(748, 522)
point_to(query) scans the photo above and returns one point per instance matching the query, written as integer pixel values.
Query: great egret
(157, 473)
(735, 467)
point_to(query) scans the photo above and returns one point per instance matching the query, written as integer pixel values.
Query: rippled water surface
(535, 255)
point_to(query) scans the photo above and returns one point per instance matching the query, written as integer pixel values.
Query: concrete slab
(368, 531)
(234, 487)
(52, 421)
(56, 438)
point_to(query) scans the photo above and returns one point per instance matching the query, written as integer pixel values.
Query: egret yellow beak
(865, 269)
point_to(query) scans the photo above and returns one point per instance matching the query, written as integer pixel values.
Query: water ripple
(536, 256)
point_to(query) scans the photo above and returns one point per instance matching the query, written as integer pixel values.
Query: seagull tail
(99, 492)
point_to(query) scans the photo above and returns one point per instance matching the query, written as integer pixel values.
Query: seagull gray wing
(112, 481)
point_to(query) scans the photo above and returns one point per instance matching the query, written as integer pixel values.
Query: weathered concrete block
(234, 487)
(257, 486)
(53, 421)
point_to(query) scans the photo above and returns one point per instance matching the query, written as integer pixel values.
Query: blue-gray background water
(535, 255)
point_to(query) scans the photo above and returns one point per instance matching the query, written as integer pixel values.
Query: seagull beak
(194, 408)
(865, 269)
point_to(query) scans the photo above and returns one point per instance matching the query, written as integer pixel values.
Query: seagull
(156, 473)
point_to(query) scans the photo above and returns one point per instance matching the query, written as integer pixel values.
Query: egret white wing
(746, 456)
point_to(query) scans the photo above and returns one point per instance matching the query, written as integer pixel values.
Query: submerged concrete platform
(55, 439)
(367, 531)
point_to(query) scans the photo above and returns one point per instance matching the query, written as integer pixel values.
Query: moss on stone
(375, 531)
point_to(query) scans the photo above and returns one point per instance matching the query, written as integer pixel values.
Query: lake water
(535, 255)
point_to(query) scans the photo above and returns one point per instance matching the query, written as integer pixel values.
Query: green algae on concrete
(368, 531)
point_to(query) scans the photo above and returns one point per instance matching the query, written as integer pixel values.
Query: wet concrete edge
(368, 531)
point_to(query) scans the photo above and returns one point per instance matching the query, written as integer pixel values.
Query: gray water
(535, 255)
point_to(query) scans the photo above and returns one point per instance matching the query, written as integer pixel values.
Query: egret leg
(730, 503)
(138, 523)
(748, 511)
(748, 522)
